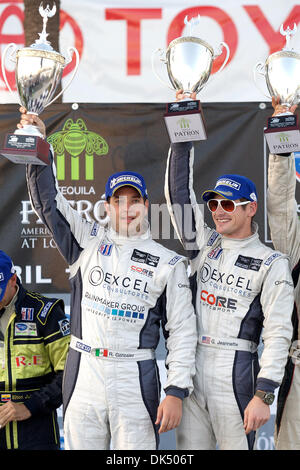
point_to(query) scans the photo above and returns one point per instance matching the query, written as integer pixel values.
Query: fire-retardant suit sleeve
(56, 332)
(69, 230)
(277, 301)
(180, 332)
(185, 213)
(282, 206)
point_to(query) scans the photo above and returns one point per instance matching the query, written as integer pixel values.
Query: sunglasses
(226, 204)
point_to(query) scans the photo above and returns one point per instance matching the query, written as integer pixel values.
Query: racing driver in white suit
(240, 287)
(124, 286)
(285, 233)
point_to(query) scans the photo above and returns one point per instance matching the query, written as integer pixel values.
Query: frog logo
(75, 139)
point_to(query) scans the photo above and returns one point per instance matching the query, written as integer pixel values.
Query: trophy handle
(9, 46)
(258, 68)
(224, 44)
(153, 67)
(70, 49)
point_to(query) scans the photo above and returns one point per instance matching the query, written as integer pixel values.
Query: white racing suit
(122, 290)
(285, 233)
(240, 287)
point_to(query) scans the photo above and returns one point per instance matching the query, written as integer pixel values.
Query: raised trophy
(38, 71)
(189, 61)
(282, 76)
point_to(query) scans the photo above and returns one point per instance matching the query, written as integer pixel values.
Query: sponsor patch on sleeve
(212, 238)
(272, 258)
(64, 327)
(95, 229)
(174, 260)
(45, 310)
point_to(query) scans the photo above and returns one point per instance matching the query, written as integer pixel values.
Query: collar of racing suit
(121, 239)
(8, 311)
(238, 242)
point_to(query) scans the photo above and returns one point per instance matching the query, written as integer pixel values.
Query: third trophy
(282, 75)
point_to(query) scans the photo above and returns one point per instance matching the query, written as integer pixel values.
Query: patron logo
(146, 258)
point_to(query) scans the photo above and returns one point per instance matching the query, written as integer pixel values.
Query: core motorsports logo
(75, 139)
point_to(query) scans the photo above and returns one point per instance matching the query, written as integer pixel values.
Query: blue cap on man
(6, 272)
(232, 187)
(125, 178)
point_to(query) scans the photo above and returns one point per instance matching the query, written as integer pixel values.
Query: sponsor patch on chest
(105, 249)
(246, 262)
(25, 329)
(27, 313)
(215, 253)
(146, 258)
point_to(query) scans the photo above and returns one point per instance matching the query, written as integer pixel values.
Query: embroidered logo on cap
(125, 179)
(228, 182)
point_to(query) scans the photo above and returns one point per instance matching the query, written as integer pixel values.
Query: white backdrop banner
(116, 40)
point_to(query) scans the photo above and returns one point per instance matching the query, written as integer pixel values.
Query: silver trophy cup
(282, 72)
(189, 61)
(38, 71)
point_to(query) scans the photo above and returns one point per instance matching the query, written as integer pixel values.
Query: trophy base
(29, 129)
(184, 121)
(283, 134)
(20, 148)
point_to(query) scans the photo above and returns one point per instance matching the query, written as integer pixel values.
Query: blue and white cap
(125, 178)
(6, 271)
(232, 187)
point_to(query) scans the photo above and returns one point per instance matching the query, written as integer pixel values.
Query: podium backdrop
(93, 140)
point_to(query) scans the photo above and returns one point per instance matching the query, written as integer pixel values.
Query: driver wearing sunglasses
(242, 289)
(232, 217)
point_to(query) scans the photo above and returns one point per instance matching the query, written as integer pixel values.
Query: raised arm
(282, 206)
(69, 230)
(185, 213)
